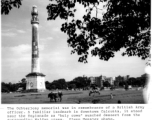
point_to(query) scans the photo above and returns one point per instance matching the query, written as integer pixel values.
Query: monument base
(35, 82)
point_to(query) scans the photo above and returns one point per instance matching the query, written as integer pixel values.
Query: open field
(73, 97)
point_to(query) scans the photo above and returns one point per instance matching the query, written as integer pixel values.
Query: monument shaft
(35, 41)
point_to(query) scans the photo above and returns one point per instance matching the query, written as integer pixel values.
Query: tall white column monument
(35, 79)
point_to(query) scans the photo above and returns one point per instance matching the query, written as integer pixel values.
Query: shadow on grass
(20, 96)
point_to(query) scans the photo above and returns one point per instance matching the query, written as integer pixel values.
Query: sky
(56, 60)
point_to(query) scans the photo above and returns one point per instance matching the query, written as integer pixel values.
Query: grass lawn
(73, 97)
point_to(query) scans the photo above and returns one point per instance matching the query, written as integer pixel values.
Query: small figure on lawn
(111, 96)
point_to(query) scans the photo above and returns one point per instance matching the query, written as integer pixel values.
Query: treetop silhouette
(125, 24)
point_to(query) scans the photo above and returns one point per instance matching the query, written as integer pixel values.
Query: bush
(112, 87)
(102, 88)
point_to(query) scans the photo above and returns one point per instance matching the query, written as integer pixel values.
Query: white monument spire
(35, 41)
(35, 79)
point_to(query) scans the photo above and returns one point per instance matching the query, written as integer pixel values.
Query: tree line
(13, 87)
(76, 83)
(81, 82)
(135, 82)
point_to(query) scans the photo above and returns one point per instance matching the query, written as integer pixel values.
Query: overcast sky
(56, 60)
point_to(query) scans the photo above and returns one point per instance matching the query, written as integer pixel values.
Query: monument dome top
(34, 10)
(34, 6)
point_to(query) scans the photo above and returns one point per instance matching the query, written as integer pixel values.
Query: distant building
(97, 81)
(126, 77)
(104, 78)
(110, 80)
(92, 79)
(120, 79)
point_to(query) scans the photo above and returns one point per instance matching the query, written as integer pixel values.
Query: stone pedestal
(35, 82)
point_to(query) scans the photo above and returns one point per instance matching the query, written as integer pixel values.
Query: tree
(139, 81)
(7, 5)
(72, 86)
(63, 83)
(122, 83)
(23, 83)
(53, 86)
(126, 24)
(60, 84)
(4, 87)
(132, 81)
(9, 87)
(23, 80)
(116, 83)
(81, 82)
(106, 84)
(48, 85)
(144, 79)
